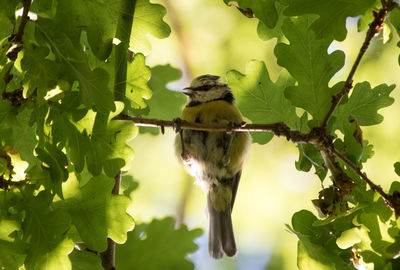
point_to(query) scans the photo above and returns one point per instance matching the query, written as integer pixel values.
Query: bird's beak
(187, 91)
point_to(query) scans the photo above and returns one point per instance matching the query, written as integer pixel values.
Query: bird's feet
(176, 124)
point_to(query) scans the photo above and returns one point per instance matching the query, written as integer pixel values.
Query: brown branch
(6, 184)
(373, 30)
(15, 40)
(393, 201)
(16, 97)
(279, 129)
(340, 178)
(108, 256)
(24, 19)
(390, 200)
(317, 136)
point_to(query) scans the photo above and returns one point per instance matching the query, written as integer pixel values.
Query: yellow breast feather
(218, 111)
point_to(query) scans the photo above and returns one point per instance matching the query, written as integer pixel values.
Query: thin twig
(15, 41)
(386, 197)
(24, 20)
(373, 30)
(108, 256)
(279, 129)
(341, 180)
(6, 184)
(316, 136)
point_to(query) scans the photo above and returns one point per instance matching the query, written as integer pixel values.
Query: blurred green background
(209, 37)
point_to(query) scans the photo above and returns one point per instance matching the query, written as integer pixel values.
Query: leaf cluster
(356, 228)
(61, 150)
(66, 76)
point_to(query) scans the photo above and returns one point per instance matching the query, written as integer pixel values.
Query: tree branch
(24, 19)
(373, 30)
(317, 136)
(390, 200)
(15, 41)
(279, 129)
(344, 183)
(108, 256)
(124, 27)
(6, 184)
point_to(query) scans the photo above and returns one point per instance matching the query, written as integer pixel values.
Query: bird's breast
(211, 156)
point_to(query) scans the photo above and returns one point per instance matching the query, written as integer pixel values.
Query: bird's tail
(221, 238)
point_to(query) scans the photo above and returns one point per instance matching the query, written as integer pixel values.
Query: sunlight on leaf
(307, 60)
(148, 19)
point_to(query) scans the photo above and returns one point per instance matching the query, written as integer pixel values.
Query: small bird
(214, 158)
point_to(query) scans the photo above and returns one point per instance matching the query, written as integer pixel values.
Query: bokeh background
(209, 37)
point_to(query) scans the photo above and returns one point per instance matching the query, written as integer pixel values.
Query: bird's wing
(235, 184)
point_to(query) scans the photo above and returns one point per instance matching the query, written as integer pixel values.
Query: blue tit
(215, 159)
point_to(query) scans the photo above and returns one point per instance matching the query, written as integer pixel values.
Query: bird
(214, 158)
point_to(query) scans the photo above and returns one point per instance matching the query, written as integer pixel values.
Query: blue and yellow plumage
(214, 158)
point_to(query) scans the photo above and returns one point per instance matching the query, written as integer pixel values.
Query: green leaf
(10, 254)
(332, 14)
(6, 26)
(18, 132)
(45, 231)
(128, 185)
(45, 8)
(264, 10)
(12, 249)
(394, 17)
(317, 244)
(55, 160)
(109, 149)
(78, 143)
(93, 84)
(351, 237)
(57, 258)
(40, 71)
(261, 137)
(25, 132)
(259, 99)
(368, 17)
(98, 18)
(7, 19)
(397, 168)
(305, 261)
(157, 246)
(147, 19)
(266, 33)
(370, 238)
(159, 108)
(363, 105)
(309, 156)
(95, 212)
(84, 260)
(94, 90)
(39, 175)
(368, 151)
(350, 147)
(307, 60)
(8, 9)
(138, 75)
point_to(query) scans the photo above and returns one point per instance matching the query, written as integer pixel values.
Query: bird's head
(208, 88)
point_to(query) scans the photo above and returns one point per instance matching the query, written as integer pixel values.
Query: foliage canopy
(68, 69)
